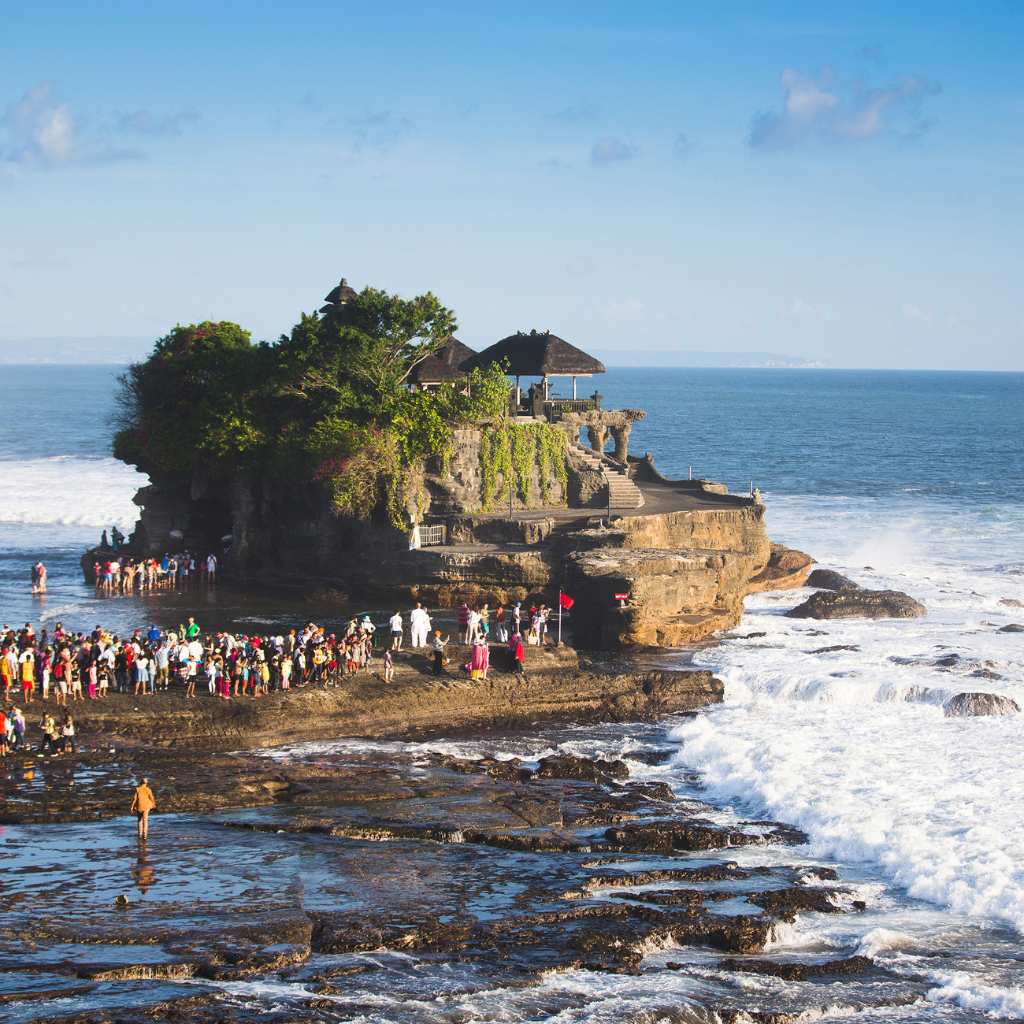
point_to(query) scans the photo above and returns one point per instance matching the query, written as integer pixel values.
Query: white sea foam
(852, 745)
(67, 490)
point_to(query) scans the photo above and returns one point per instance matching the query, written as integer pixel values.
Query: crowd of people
(121, 574)
(72, 666)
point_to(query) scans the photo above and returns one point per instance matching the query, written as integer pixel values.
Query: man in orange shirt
(142, 803)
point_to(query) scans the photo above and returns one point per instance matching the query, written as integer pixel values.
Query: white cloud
(820, 108)
(610, 150)
(40, 131)
(37, 129)
(914, 312)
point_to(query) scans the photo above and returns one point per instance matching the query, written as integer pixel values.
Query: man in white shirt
(395, 623)
(419, 625)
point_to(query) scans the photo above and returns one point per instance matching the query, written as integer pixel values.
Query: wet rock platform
(397, 882)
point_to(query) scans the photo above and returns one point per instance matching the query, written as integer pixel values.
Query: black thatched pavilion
(448, 363)
(539, 354)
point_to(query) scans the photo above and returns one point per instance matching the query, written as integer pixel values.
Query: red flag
(565, 601)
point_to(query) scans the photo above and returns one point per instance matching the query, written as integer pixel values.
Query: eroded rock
(967, 705)
(858, 604)
(829, 579)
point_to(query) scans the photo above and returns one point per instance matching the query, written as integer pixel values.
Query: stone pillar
(597, 435)
(621, 437)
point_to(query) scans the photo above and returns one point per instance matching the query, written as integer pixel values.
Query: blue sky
(834, 181)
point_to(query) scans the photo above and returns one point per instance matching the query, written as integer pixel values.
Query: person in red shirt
(518, 652)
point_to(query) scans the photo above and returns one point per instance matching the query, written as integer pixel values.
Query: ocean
(911, 481)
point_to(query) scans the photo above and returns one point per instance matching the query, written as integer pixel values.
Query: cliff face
(685, 573)
(684, 570)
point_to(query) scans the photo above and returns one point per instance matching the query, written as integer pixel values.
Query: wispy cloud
(682, 145)
(38, 130)
(611, 150)
(41, 131)
(146, 122)
(819, 108)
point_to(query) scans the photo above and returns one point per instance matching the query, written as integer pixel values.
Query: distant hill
(730, 360)
(74, 350)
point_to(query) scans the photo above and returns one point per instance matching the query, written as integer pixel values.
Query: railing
(556, 408)
(431, 536)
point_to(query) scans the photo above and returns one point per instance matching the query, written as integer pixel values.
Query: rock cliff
(685, 560)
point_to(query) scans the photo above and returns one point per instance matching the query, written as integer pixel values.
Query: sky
(837, 182)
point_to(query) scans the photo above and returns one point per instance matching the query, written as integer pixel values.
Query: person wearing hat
(143, 802)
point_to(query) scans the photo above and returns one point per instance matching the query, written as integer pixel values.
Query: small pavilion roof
(340, 294)
(539, 354)
(447, 363)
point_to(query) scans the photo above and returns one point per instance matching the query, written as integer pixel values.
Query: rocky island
(372, 452)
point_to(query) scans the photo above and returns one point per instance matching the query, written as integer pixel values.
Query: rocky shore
(500, 870)
(558, 687)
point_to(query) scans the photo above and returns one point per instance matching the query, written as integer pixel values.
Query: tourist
(141, 673)
(4, 721)
(211, 568)
(419, 626)
(389, 666)
(8, 669)
(67, 733)
(51, 735)
(143, 802)
(543, 613)
(500, 631)
(39, 578)
(518, 652)
(463, 617)
(27, 665)
(395, 622)
(18, 729)
(437, 645)
(480, 660)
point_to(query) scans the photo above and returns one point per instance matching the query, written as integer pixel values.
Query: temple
(523, 502)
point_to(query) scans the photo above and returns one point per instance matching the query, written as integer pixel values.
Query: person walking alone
(143, 802)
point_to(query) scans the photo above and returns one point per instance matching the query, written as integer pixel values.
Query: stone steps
(622, 492)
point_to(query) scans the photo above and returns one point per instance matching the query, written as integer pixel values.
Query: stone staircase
(622, 492)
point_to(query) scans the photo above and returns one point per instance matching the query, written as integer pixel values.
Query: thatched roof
(338, 296)
(537, 354)
(447, 363)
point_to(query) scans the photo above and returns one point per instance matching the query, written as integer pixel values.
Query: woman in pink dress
(480, 661)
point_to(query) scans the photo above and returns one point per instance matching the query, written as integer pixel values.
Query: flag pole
(559, 617)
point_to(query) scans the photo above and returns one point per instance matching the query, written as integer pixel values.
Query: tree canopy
(327, 402)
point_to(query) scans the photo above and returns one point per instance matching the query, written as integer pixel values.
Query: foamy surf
(838, 726)
(67, 490)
